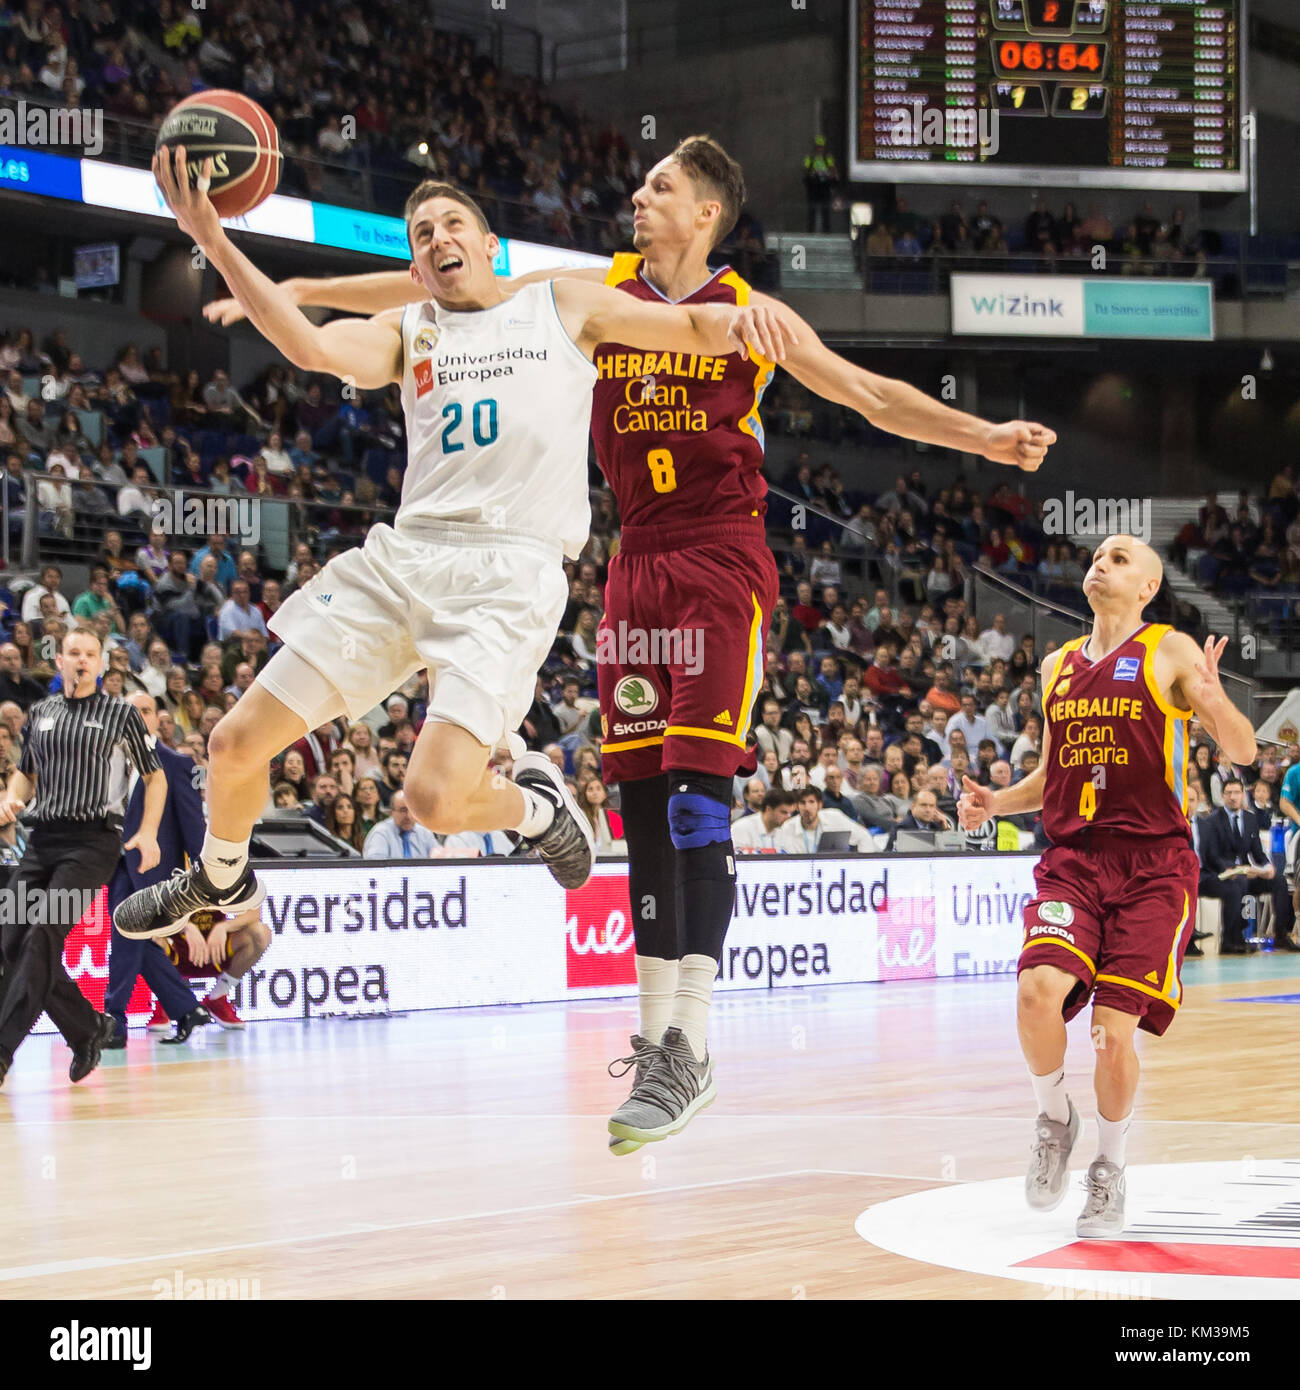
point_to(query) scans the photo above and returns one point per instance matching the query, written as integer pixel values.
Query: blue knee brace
(699, 810)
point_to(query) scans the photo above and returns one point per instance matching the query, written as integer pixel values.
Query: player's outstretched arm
(978, 804)
(354, 294)
(1192, 673)
(594, 314)
(368, 352)
(903, 410)
(371, 294)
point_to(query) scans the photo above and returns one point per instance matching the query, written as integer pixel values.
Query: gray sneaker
(643, 1053)
(675, 1088)
(568, 846)
(1103, 1212)
(1049, 1160)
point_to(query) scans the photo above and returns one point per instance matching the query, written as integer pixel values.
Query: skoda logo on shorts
(1058, 914)
(635, 695)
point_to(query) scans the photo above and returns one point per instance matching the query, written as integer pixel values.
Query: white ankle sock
(1112, 1138)
(1049, 1092)
(695, 976)
(656, 982)
(225, 983)
(538, 815)
(224, 861)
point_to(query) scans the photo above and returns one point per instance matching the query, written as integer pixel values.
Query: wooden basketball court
(463, 1154)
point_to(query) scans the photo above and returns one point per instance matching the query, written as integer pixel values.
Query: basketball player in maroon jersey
(1115, 904)
(680, 441)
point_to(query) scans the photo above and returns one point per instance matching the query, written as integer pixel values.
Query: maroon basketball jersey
(678, 435)
(1119, 749)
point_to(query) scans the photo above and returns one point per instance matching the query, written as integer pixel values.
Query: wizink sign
(1078, 306)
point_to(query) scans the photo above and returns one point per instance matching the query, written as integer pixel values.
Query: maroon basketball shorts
(1118, 918)
(681, 648)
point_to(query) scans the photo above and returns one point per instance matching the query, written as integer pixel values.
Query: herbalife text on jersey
(651, 646)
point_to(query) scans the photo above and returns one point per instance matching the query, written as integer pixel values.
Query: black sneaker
(198, 1017)
(166, 908)
(117, 1041)
(1193, 950)
(568, 846)
(86, 1057)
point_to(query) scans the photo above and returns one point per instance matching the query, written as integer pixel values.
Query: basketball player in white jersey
(468, 582)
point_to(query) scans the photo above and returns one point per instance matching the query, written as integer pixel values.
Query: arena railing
(720, 26)
(1275, 617)
(1048, 621)
(1235, 278)
(371, 180)
(189, 516)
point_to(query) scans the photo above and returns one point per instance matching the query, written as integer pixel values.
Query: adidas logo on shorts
(324, 598)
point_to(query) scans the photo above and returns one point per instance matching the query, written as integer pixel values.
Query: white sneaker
(1049, 1160)
(1103, 1212)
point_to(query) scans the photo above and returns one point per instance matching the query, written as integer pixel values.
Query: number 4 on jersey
(1088, 795)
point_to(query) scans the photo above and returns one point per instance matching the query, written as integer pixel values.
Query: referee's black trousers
(63, 855)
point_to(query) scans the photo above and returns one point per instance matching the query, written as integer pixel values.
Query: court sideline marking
(41, 1271)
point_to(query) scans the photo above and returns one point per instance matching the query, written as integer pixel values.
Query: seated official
(1279, 894)
(400, 836)
(924, 815)
(802, 834)
(757, 833)
(1231, 841)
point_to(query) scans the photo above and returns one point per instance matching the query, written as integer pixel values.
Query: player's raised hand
(224, 312)
(1207, 690)
(1020, 444)
(975, 805)
(190, 203)
(759, 327)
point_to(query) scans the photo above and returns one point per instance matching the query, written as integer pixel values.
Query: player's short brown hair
(712, 169)
(431, 188)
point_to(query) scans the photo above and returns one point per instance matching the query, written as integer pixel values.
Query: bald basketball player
(1116, 894)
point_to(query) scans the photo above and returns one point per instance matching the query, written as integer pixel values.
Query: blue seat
(92, 426)
(155, 459)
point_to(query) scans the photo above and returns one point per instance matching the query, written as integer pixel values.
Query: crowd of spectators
(374, 90)
(1151, 243)
(110, 435)
(1254, 551)
(881, 689)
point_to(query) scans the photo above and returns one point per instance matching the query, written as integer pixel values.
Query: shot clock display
(1094, 93)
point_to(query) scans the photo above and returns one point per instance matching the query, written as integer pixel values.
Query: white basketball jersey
(498, 413)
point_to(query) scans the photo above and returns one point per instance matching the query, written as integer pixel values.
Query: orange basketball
(240, 139)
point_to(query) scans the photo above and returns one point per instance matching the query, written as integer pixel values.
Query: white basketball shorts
(477, 606)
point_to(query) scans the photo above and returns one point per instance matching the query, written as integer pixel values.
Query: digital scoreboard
(1093, 93)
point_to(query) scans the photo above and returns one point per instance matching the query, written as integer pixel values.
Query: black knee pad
(699, 818)
(651, 866)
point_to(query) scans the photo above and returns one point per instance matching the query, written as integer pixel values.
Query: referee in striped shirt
(74, 760)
